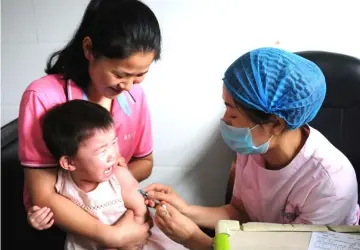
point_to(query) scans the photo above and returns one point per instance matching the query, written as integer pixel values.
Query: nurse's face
(235, 116)
(109, 77)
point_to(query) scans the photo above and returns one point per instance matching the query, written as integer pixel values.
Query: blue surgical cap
(277, 82)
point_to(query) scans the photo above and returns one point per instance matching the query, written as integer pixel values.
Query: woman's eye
(118, 76)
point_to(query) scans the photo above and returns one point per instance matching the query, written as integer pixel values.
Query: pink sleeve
(33, 152)
(239, 165)
(144, 146)
(323, 207)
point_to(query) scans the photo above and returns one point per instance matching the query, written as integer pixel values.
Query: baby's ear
(67, 163)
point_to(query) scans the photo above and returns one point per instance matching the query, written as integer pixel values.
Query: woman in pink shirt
(286, 171)
(109, 54)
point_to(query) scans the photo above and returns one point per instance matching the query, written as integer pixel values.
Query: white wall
(201, 38)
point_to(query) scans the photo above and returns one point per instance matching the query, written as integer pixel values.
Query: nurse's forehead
(228, 100)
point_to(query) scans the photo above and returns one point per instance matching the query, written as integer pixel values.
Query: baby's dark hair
(66, 125)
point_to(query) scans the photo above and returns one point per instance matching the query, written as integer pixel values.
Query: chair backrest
(15, 230)
(339, 117)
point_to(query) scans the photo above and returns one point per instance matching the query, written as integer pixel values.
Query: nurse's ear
(278, 125)
(67, 163)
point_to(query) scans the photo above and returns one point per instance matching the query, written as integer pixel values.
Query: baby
(81, 136)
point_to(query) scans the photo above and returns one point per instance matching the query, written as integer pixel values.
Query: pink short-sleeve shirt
(318, 187)
(129, 110)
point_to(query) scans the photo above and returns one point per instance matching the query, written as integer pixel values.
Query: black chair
(339, 117)
(15, 232)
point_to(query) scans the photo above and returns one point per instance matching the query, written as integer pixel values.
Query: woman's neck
(286, 147)
(93, 96)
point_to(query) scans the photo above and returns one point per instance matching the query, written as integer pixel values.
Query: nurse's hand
(164, 193)
(176, 226)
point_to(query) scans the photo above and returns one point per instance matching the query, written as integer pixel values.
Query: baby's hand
(40, 218)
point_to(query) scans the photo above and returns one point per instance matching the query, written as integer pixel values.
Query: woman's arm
(67, 215)
(202, 216)
(71, 218)
(199, 241)
(180, 228)
(141, 168)
(209, 216)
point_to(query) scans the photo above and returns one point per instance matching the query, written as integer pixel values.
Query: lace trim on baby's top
(116, 186)
(77, 196)
(97, 207)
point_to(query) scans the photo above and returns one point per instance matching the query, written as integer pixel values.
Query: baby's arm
(129, 190)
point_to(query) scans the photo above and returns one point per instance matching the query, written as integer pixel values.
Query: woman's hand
(131, 234)
(122, 162)
(167, 194)
(180, 228)
(40, 218)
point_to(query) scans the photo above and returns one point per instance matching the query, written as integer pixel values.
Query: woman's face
(109, 77)
(236, 117)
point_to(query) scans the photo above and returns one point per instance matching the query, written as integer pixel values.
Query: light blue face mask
(240, 140)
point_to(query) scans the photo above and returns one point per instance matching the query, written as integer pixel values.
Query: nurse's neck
(285, 148)
(95, 97)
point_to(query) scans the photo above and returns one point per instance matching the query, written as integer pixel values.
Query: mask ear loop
(270, 138)
(254, 127)
(259, 125)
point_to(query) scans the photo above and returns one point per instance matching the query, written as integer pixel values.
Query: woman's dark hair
(256, 116)
(117, 28)
(66, 125)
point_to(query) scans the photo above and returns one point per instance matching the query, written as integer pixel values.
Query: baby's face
(97, 156)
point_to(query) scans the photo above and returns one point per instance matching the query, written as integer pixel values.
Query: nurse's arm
(67, 215)
(141, 168)
(209, 216)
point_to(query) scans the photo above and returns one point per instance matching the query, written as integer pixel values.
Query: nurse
(108, 56)
(285, 171)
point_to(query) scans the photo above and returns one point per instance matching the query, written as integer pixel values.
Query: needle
(145, 195)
